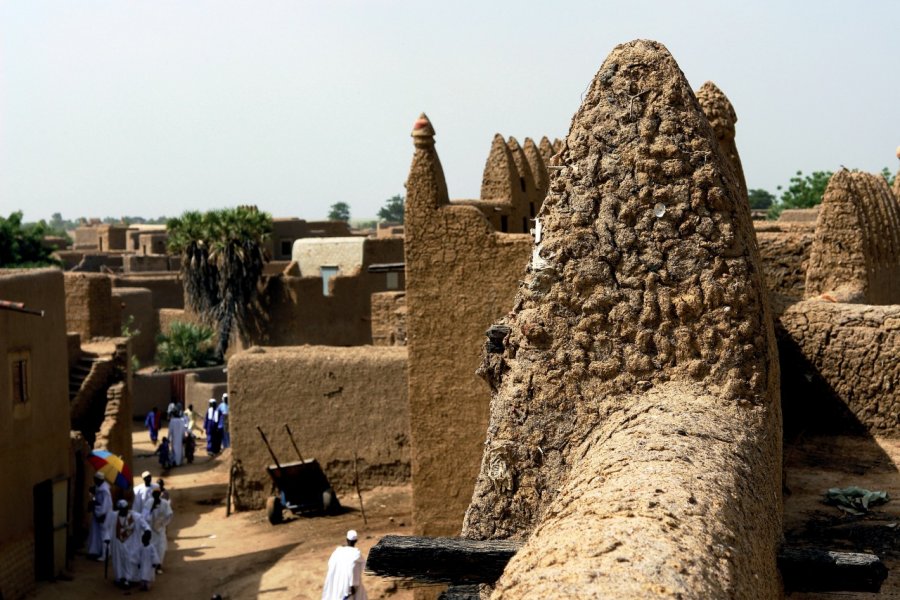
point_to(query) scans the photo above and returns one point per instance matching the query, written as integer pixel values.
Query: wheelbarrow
(301, 486)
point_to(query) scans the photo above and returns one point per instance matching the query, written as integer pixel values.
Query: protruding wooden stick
(19, 307)
(358, 493)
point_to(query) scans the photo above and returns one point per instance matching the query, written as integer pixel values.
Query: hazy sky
(154, 107)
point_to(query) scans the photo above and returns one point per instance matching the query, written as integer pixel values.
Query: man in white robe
(176, 437)
(345, 568)
(158, 514)
(143, 493)
(102, 505)
(125, 545)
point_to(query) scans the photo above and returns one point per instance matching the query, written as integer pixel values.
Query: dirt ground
(815, 464)
(243, 556)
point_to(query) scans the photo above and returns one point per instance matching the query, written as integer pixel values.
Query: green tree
(222, 260)
(22, 245)
(888, 176)
(186, 346)
(339, 211)
(802, 192)
(760, 199)
(392, 211)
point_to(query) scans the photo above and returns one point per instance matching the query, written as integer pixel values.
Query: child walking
(149, 561)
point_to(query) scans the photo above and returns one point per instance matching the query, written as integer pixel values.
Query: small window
(504, 223)
(522, 183)
(20, 382)
(286, 245)
(531, 208)
(393, 280)
(327, 273)
(525, 228)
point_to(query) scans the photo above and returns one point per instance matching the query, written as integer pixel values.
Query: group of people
(132, 538)
(178, 447)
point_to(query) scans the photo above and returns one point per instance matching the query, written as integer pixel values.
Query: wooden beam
(466, 563)
(440, 560)
(808, 569)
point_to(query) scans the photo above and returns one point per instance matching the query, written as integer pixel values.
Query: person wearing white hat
(143, 493)
(158, 514)
(345, 568)
(124, 550)
(211, 425)
(101, 506)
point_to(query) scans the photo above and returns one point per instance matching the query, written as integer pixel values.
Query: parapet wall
(337, 402)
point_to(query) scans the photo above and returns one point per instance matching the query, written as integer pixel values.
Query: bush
(187, 346)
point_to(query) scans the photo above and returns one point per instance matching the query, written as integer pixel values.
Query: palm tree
(222, 260)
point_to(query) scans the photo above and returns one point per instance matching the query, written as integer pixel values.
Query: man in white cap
(143, 494)
(211, 425)
(345, 568)
(125, 546)
(102, 505)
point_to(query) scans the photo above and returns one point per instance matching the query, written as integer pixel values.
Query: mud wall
(785, 259)
(840, 371)
(337, 401)
(855, 256)
(89, 306)
(461, 276)
(722, 117)
(167, 288)
(34, 435)
(137, 303)
(389, 319)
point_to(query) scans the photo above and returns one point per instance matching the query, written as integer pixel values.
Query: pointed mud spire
(722, 117)
(855, 255)
(501, 178)
(546, 148)
(635, 395)
(426, 187)
(523, 167)
(538, 169)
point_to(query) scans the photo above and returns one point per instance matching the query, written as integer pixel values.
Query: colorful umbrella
(113, 467)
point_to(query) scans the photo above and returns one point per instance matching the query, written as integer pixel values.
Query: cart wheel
(330, 504)
(274, 510)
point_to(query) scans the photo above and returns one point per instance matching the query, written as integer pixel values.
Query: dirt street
(243, 556)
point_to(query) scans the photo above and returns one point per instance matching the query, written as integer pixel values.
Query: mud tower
(635, 430)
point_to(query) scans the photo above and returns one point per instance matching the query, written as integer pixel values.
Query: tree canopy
(339, 211)
(760, 199)
(392, 211)
(803, 191)
(22, 245)
(222, 260)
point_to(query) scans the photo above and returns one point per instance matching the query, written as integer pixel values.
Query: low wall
(337, 401)
(389, 319)
(155, 389)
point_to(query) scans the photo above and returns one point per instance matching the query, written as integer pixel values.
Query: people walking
(101, 504)
(152, 423)
(125, 543)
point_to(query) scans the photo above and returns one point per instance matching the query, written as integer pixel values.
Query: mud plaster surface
(722, 117)
(629, 320)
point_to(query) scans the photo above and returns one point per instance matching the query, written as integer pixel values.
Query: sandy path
(243, 556)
